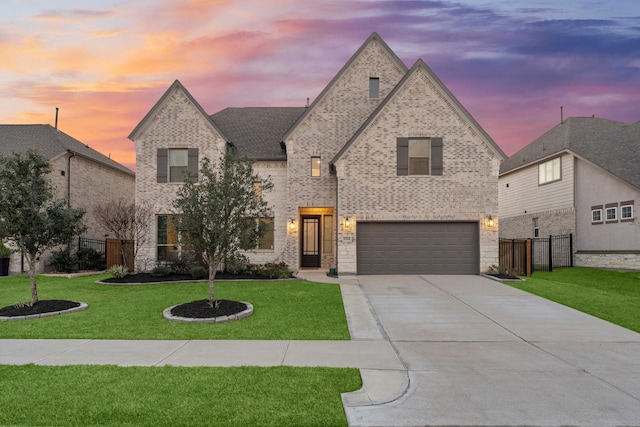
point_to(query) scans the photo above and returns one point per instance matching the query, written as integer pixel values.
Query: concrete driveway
(478, 352)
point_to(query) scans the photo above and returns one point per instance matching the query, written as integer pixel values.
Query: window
(596, 215)
(626, 211)
(536, 227)
(178, 164)
(315, 166)
(168, 241)
(174, 164)
(374, 87)
(265, 242)
(419, 156)
(612, 214)
(549, 171)
(327, 234)
(257, 190)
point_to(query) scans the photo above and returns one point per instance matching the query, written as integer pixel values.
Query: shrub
(5, 252)
(275, 270)
(90, 259)
(199, 272)
(161, 271)
(236, 264)
(64, 261)
(118, 271)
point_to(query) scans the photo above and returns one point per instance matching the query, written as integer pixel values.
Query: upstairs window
(626, 211)
(178, 164)
(549, 171)
(419, 156)
(374, 87)
(612, 214)
(596, 215)
(315, 166)
(175, 164)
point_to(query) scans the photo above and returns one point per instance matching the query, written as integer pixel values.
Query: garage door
(418, 248)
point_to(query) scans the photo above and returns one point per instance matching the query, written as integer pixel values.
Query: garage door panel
(418, 248)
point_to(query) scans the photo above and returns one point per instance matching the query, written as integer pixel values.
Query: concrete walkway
(432, 350)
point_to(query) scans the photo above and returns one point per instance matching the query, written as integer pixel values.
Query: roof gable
(614, 146)
(49, 142)
(373, 38)
(450, 98)
(144, 123)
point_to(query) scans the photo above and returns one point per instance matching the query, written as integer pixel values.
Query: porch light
(347, 223)
(490, 222)
(292, 225)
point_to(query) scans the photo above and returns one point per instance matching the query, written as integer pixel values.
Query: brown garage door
(418, 248)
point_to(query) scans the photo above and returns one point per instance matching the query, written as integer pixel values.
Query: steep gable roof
(256, 132)
(49, 142)
(611, 145)
(374, 37)
(147, 118)
(420, 65)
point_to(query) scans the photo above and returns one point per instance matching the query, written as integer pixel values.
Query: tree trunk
(32, 277)
(212, 277)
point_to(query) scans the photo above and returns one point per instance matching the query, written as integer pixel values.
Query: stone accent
(622, 261)
(550, 223)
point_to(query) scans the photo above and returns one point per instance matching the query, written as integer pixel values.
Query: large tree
(30, 216)
(219, 214)
(128, 222)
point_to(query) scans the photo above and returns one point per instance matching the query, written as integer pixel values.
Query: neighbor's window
(612, 214)
(178, 164)
(626, 212)
(596, 215)
(419, 154)
(315, 166)
(168, 240)
(536, 227)
(549, 171)
(374, 87)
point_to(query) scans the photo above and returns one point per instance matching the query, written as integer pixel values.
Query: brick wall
(554, 222)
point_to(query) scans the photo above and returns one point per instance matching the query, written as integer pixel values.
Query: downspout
(337, 219)
(71, 154)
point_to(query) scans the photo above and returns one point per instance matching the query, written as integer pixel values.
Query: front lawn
(283, 310)
(170, 396)
(610, 295)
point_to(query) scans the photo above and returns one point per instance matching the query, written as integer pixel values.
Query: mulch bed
(46, 306)
(150, 278)
(504, 276)
(202, 310)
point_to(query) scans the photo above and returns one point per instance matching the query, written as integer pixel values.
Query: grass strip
(168, 396)
(610, 295)
(290, 309)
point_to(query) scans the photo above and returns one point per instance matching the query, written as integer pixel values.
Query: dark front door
(310, 242)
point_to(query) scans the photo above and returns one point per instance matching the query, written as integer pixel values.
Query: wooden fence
(114, 253)
(524, 256)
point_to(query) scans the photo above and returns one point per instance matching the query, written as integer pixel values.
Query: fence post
(571, 249)
(513, 254)
(550, 253)
(529, 257)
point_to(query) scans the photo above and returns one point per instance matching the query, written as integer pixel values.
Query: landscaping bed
(176, 277)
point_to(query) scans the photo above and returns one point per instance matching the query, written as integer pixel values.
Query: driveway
(478, 352)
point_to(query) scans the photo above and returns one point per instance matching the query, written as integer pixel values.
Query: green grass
(167, 396)
(610, 295)
(290, 309)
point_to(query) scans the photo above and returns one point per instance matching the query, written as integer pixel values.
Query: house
(385, 171)
(581, 177)
(80, 174)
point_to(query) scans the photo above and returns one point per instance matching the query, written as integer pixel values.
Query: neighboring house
(80, 174)
(581, 177)
(385, 172)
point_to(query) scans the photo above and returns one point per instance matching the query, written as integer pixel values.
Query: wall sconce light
(490, 222)
(347, 223)
(292, 225)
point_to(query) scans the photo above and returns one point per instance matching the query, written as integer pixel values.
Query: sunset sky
(511, 63)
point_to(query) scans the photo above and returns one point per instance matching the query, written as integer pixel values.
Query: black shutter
(403, 156)
(193, 164)
(436, 156)
(162, 164)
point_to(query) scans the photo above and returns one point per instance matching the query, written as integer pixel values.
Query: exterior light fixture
(347, 223)
(292, 225)
(490, 222)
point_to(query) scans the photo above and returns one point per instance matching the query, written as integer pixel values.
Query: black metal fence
(546, 253)
(91, 254)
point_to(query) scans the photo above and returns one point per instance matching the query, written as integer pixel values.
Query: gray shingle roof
(612, 145)
(50, 143)
(256, 132)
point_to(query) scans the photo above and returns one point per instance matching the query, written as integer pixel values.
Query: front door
(310, 241)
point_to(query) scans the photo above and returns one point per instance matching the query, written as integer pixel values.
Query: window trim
(553, 177)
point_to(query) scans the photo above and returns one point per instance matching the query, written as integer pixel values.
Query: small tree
(30, 216)
(218, 214)
(127, 221)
